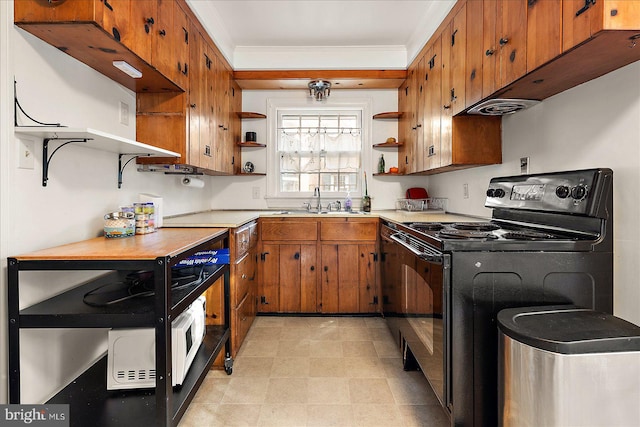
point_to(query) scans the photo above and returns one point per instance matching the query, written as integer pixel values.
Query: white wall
(54, 87)
(596, 124)
(237, 192)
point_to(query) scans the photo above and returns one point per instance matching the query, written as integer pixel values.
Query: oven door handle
(428, 254)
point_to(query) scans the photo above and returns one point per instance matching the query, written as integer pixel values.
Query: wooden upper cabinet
(171, 47)
(544, 32)
(421, 96)
(511, 40)
(141, 29)
(118, 27)
(457, 66)
(505, 43)
(404, 127)
(474, 52)
(583, 19)
(433, 105)
(446, 111)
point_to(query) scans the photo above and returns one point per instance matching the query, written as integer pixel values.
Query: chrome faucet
(316, 193)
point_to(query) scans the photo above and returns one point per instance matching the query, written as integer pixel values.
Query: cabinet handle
(162, 33)
(192, 105)
(297, 255)
(446, 107)
(489, 52)
(503, 41)
(532, 2)
(244, 276)
(107, 5)
(116, 34)
(150, 20)
(313, 268)
(207, 150)
(326, 268)
(587, 5)
(453, 95)
(418, 125)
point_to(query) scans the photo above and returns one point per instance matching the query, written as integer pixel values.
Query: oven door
(415, 297)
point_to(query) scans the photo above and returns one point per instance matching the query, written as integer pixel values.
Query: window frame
(278, 106)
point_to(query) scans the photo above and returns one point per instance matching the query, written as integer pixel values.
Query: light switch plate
(524, 165)
(124, 113)
(25, 154)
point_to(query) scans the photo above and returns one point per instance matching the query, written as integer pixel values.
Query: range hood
(500, 107)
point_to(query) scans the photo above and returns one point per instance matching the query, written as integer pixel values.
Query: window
(311, 144)
(319, 149)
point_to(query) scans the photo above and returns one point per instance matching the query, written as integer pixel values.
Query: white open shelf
(96, 139)
(90, 138)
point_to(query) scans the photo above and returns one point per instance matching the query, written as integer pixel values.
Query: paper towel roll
(188, 181)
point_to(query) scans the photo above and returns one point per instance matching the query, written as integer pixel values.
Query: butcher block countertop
(236, 218)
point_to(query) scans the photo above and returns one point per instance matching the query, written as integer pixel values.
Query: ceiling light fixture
(127, 68)
(319, 89)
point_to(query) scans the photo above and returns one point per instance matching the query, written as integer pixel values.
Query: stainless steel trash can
(566, 366)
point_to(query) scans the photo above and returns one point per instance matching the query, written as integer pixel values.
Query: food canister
(119, 224)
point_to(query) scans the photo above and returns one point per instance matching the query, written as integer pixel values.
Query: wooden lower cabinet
(348, 278)
(326, 265)
(243, 281)
(289, 278)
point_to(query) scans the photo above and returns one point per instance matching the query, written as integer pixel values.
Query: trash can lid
(569, 329)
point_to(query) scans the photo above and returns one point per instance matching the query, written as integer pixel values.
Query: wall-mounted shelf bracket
(46, 158)
(121, 166)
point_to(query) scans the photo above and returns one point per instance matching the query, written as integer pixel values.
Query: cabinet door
(490, 69)
(446, 108)
(196, 96)
(308, 278)
(269, 295)
(368, 283)
(580, 21)
(544, 32)
(458, 60)
(141, 29)
(410, 143)
(207, 123)
(404, 128)
(161, 40)
(329, 278)
(290, 295)
(474, 53)
(173, 47)
(348, 278)
(433, 110)
(511, 32)
(419, 151)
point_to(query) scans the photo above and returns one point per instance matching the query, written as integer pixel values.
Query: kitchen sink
(306, 212)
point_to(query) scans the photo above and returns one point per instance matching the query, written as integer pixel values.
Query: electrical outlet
(465, 190)
(524, 165)
(255, 192)
(124, 113)
(25, 154)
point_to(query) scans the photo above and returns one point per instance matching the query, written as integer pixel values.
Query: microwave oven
(131, 361)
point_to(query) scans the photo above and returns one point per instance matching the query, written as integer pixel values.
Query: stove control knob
(499, 192)
(579, 192)
(563, 191)
(490, 192)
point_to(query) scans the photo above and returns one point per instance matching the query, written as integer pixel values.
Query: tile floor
(316, 371)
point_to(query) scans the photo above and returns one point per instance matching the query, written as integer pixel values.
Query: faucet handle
(307, 206)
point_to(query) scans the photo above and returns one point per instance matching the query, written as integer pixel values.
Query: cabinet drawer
(348, 229)
(243, 317)
(246, 238)
(290, 230)
(245, 274)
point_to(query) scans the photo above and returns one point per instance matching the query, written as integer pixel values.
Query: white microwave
(131, 361)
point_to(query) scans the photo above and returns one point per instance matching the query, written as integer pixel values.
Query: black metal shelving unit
(90, 402)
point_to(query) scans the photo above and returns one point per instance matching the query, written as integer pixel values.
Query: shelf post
(164, 388)
(14, 331)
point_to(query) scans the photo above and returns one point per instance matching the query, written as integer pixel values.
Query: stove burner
(466, 234)
(477, 226)
(527, 235)
(427, 226)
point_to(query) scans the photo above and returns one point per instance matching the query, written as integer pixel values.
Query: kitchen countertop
(236, 218)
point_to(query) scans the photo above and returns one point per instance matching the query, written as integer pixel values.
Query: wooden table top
(164, 242)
